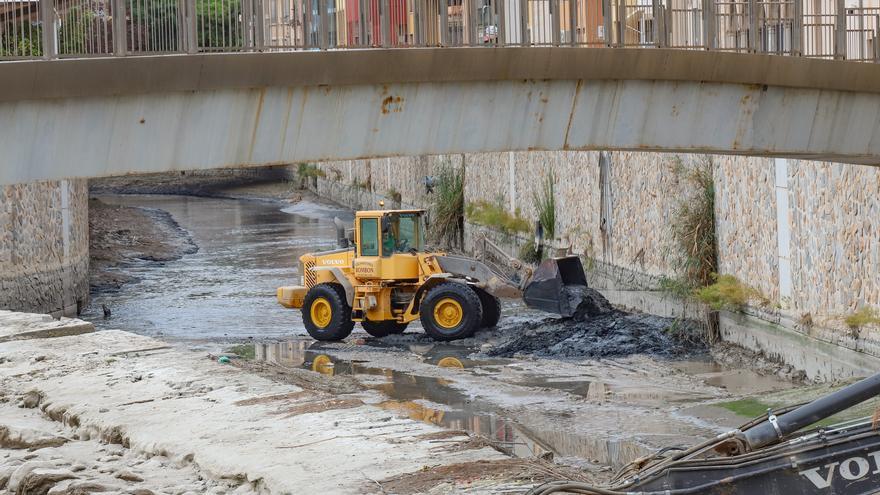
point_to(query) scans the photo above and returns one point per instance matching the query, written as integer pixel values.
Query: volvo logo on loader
(851, 469)
(331, 262)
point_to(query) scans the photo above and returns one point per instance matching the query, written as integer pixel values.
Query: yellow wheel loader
(382, 276)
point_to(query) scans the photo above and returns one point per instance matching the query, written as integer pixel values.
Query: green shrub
(447, 209)
(364, 185)
(245, 351)
(862, 317)
(545, 204)
(728, 293)
(495, 216)
(530, 253)
(693, 227)
(394, 195)
(308, 170)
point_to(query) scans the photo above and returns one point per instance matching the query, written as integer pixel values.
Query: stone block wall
(44, 247)
(805, 234)
(746, 223)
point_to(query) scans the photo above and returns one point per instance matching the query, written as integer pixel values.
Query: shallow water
(227, 289)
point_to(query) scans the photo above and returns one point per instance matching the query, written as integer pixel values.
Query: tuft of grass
(364, 185)
(749, 407)
(530, 253)
(679, 287)
(447, 209)
(394, 195)
(693, 227)
(244, 351)
(861, 317)
(308, 171)
(545, 204)
(495, 216)
(728, 293)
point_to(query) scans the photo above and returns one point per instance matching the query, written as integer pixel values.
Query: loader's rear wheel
(383, 328)
(451, 311)
(491, 308)
(326, 314)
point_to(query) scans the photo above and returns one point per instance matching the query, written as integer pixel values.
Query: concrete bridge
(110, 116)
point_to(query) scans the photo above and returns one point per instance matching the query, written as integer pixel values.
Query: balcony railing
(50, 29)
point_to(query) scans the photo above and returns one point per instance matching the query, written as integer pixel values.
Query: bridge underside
(267, 124)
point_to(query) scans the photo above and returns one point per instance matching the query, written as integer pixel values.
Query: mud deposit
(597, 330)
(122, 235)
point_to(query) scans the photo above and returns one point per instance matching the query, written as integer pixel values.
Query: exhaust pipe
(341, 239)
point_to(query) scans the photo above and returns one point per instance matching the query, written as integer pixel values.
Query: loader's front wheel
(326, 313)
(383, 328)
(451, 311)
(491, 308)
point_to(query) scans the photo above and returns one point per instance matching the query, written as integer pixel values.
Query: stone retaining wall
(805, 234)
(44, 247)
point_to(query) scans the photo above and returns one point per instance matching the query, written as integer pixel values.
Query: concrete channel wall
(44, 247)
(806, 234)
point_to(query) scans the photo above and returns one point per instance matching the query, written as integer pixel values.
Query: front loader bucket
(556, 286)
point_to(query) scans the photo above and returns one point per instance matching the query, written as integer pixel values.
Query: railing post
(753, 26)
(259, 25)
(501, 28)
(840, 30)
(573, 21)
(709, 41)
(655, 23)
(621, 23)
(191, 41)
(472, 22)
(247, 24)
(120, 45)
(323, 23)
(307, 23)
(50, 36)
(797, 29)
(525, 37)
(606, 23)
(555, 24)
(444, 22)
(876, 32)
(363, 22)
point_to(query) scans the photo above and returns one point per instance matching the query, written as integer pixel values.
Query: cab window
(403, 234)
(369, 229)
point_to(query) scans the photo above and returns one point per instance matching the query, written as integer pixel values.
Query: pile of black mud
(598, 330)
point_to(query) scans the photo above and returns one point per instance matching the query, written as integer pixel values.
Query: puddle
(735, 381)
(420, 398)
(589, 389)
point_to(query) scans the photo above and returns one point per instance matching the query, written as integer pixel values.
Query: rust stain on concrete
(392, 104)
(256, 125)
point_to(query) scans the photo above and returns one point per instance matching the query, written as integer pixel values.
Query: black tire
(491, 308)
(383, 328)
(468, 320)
(339, 325)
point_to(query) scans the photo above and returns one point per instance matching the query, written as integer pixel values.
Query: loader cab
(388, 243)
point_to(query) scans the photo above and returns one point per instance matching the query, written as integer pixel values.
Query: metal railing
(81, 28)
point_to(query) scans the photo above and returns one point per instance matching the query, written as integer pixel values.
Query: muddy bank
(121, 235)
(271, 183)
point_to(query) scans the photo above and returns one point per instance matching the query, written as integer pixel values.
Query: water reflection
(428, 399)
